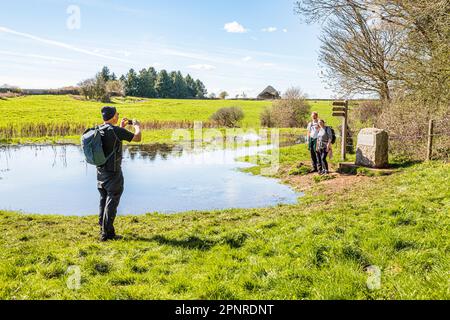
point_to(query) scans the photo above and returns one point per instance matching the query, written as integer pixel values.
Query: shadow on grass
(191, 243)
(403, 164)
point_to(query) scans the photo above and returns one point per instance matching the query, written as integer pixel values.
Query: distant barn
(269, 93)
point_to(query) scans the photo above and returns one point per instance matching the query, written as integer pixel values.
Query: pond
(158, 178)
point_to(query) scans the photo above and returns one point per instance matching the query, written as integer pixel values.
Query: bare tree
(357, 51)
(359, 54)
(414, 33)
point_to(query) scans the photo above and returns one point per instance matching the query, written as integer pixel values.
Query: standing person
(313, 130)
(324, 142)
(110, 180)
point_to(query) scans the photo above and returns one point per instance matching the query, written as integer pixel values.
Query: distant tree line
(148, 83)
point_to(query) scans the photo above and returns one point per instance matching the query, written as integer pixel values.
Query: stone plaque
(373, 148)
(366, 140)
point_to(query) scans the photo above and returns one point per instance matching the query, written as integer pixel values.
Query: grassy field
(33, 112)
(318, 249)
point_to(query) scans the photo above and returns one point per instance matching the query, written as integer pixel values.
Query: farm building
(269, 93)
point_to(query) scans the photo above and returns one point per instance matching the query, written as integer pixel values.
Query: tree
(149, 83)
(422, 38)
(132, 84)
(421, 89)
(190, 87)
(114, 88)
(105, 74)
(163, 84)
(228, 117)
(146, 83)
(100, 91)
(223, 95)
(290, 112)
(200, 89)
(181, 86)
(87, 88)
(358, 53)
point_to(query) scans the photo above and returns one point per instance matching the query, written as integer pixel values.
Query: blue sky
(238, 46)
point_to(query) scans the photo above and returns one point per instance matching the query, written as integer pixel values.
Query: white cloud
(205, 67)
(247, 59)
(59, 44)
(285, 30)
(234, 27)
(269, 29)
(268, 64)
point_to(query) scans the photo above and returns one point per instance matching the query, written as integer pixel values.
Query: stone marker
(373, 148)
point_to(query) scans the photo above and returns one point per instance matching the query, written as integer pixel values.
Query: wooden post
(344, 133)
(430, 140)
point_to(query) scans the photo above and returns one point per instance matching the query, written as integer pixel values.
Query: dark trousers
(110, 186)
(314, 158)
(322, 157)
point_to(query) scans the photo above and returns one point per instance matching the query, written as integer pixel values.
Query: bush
(367, 112)
(228, 117)
(101, 90)
(266, 118)
(407, 119)
(290, 112)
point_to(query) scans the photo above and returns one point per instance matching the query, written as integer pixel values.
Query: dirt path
(337, 183)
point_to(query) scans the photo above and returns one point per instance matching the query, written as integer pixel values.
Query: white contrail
(37, 56)
(60, 44)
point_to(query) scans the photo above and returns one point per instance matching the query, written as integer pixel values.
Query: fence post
(344, 133)
(430, 140)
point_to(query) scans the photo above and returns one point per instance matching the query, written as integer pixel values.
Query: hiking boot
(313, 170)
(103, 238)
(115, 238)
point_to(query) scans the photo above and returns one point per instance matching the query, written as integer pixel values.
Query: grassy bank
(318, 249)
(53, 119)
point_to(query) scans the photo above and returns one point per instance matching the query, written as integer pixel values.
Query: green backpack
(91, 143)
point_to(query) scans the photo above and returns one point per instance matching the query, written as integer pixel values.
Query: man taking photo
(110, 182)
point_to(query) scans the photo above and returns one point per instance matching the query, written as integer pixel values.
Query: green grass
(317, 249)
(54, 110)
(314, 250)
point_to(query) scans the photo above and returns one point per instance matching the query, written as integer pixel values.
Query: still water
(158, 178)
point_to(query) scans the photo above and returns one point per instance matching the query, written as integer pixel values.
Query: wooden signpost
(340, 109)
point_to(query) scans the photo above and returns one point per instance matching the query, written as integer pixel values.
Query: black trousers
(314, 157)
(322, 155)
(110, 186)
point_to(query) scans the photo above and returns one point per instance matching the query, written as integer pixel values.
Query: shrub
(228, 117)
(266, 118)
(407, 119)
(367, 112)
(101, 90)
(115, 88)
(290, 112)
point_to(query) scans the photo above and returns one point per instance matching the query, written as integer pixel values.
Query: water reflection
(158, 178)
(152, 151)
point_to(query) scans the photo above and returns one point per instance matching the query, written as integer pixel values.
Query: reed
(37, 130)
